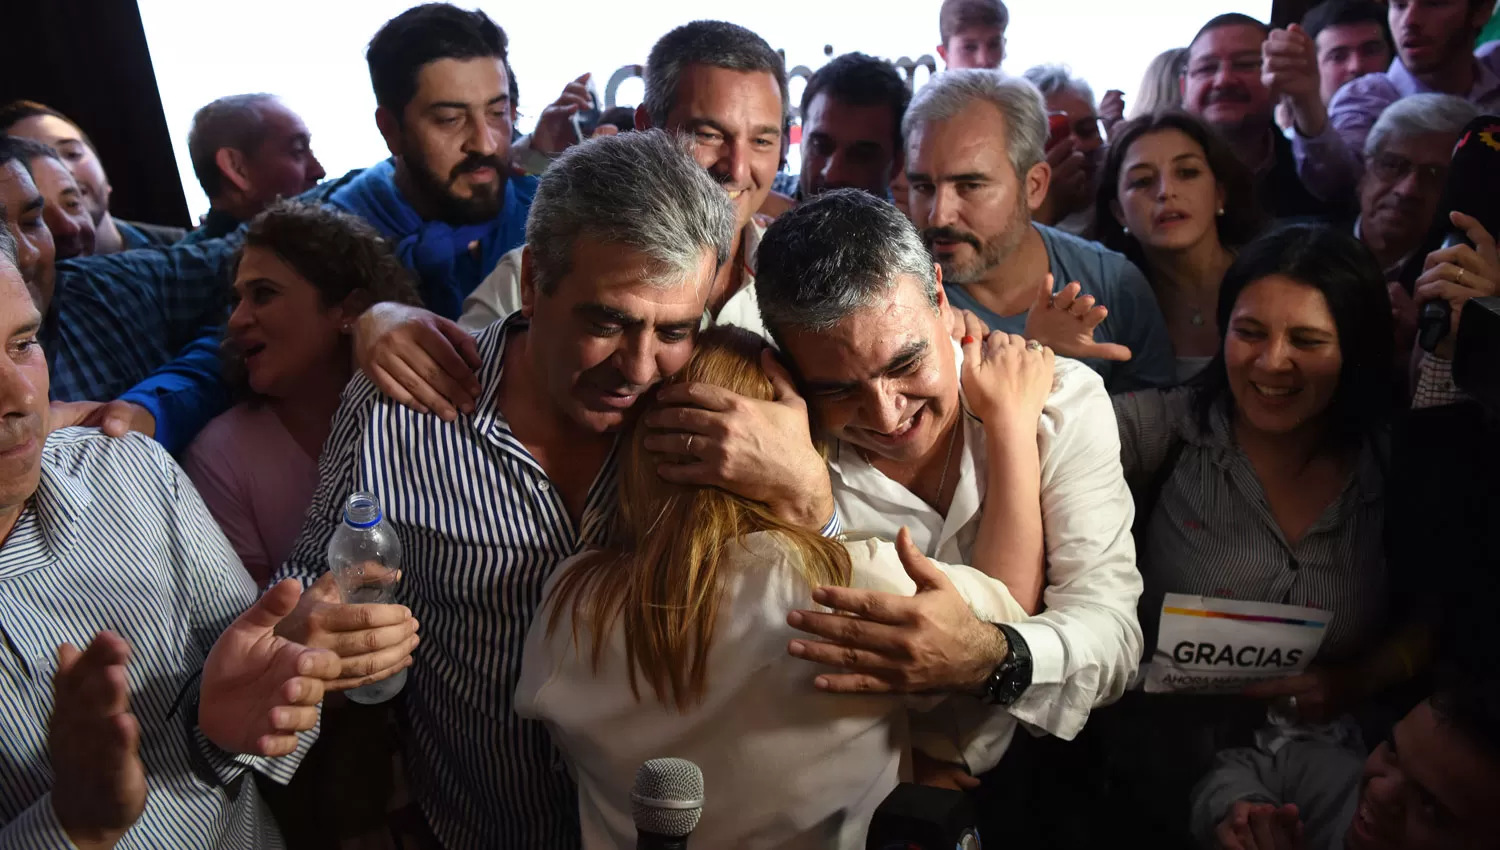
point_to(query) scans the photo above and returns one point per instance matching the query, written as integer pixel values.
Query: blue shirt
(116, 538)
(438, 251)
(116, 318)
(137, 235)
(1134, 320)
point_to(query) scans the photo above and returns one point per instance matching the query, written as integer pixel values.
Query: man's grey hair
(833, 255)
(1055, 79)
(713, 43)
(1418, 114)
(230, 122)
(951, 92)
(7, 241)
(640, 190)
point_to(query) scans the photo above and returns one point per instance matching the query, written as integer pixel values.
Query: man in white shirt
(850, 294)
(719, 83)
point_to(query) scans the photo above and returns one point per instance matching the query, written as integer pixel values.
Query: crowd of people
(979, 453)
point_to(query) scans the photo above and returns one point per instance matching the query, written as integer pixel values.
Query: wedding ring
(690, 443)
(1033, 345)
(1460, 277)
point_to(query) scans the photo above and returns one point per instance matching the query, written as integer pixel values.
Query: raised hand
(554, 131)
(374, 641)
(1112, 111)
(1289, 70)
(418, 358)
(1005, 381)
(259, 689)
(99, 789)
(930, 642)
(1065, 322)
(761, 450)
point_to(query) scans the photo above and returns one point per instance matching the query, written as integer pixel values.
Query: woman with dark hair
(1176, 200)
(673, 640)
(1264, 481)
(304, 274)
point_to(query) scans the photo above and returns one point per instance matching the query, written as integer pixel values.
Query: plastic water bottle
(365, 558)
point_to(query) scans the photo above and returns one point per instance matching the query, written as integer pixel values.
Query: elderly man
(1407, 155)
(975, 159)
(626, 239)
(717, 82)
(247, 151)
(1434, 54)
(1074, 159)
(143, 739)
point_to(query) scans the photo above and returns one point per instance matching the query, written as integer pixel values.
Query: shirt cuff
(1435, 386)
(36, 828)
(1048, 655)
(834, 526)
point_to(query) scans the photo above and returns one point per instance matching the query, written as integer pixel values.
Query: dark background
(88, 59)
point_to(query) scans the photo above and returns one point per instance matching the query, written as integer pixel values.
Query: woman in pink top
(304, 275)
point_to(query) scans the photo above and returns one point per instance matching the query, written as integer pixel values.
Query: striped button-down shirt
(1212, 532)
(116, 538)
(482, 527)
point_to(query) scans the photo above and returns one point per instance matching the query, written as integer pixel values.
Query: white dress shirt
(1086, 644)
(785, 766)
(499, 294)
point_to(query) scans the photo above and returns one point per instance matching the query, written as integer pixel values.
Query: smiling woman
(305, 274)
(1264, 482)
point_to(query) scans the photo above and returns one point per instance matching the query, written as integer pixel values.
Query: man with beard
(1434, 54)
(1075, 158)
(1407, 155)
(445, 197)
(717, 82)
(974, 152)
(1431, 785)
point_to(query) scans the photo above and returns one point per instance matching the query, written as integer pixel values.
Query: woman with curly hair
(305, 273)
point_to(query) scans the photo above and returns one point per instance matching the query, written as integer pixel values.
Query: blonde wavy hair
(662, 576)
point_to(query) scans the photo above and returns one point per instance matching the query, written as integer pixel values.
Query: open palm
(259, 690)
(1066, 321)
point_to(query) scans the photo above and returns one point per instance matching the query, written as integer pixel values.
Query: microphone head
(1474, 175)
(667, 798)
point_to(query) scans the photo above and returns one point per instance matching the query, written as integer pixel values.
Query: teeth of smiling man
(735, 194)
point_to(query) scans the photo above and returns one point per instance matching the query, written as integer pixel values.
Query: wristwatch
(1012, 676)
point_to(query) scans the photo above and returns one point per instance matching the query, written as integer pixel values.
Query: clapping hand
(99, 785)
(259, 689)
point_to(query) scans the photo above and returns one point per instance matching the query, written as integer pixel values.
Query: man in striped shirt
(141, 740)
(626, 236)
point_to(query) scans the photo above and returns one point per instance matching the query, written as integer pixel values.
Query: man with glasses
(1407, 155)
(1222, 84)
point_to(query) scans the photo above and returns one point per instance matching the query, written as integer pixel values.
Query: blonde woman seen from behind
(673, 643)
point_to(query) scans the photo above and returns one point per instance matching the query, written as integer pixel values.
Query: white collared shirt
(499, 294)
(1086, 644)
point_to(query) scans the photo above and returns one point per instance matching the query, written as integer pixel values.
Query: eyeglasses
(1393, 168)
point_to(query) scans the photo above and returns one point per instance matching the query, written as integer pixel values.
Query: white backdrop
(311, 52)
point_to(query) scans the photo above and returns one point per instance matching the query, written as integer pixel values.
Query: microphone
(921, 817)
(1473, 189)
(666, 803)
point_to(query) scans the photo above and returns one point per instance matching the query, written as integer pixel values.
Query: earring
(1124, 229)
(1221, 210)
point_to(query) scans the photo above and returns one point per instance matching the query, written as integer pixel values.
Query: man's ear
(945, 307)
(389, 124)
(1038, 180)
(898, 161)
(942, 52)
(642, 118)
(528, 282)
(231, 164)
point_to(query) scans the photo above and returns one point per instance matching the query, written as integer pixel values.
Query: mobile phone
(1058, 128)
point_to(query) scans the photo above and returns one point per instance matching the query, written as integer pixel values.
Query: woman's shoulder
(225, 435)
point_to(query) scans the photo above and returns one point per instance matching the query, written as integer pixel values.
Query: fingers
(393, 389)
(275, 746)
(706, 396)
(352, 644)
(291, 719)
(682, 419)
(984, 328)
(357, 678)
(782, 386)
(318, 665)
(921, 570)
(1064, 300)
(1261, 829)
(871, 605)
(853, 683)
(845, 631)
(1106, 351)
(357, 618)
(274, 605)
(1483, 240)
(116, 418)
(1044, 294)
(432, 370)
(463, 343)
(846, 658)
